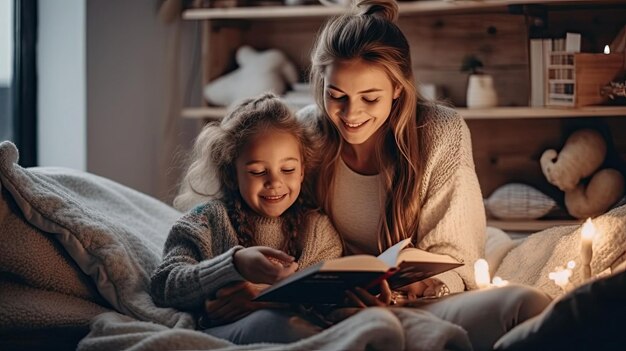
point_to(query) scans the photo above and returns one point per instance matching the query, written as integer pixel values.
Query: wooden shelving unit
(530, 226)
(498, 113)
(506, 141)
(406, 8)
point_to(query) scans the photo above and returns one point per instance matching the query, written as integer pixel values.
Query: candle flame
(589, 230)
(607, 49)
(481, 273)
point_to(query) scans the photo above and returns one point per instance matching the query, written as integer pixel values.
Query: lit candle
(607, 49)
(586, 249)
(481, 273)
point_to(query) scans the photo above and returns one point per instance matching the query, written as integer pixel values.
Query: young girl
(258, 229)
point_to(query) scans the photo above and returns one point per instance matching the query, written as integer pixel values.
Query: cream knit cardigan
(452, 219)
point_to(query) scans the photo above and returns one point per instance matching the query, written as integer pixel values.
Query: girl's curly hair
(212, 172)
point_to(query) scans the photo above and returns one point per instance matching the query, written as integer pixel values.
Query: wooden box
(576, 79)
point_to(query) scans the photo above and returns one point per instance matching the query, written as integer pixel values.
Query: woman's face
(358, 97)
(270, 172)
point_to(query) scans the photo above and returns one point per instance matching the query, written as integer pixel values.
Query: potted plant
(480, 89)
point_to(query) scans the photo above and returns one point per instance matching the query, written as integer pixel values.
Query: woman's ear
(397, 91)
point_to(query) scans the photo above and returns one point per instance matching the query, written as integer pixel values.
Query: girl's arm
(190, 271)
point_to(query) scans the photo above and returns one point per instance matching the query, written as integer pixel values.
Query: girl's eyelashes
(260, 173)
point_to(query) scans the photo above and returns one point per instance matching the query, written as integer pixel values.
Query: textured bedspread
(86, 245)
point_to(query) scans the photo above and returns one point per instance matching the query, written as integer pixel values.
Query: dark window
(18, 83)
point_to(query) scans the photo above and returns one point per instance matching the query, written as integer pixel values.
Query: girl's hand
(362, 298)
(261, 264)
(234, 302)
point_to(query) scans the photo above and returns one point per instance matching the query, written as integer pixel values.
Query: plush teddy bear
(258, 72)
(581, 156)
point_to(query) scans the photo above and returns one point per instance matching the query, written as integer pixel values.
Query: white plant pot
(480, 91)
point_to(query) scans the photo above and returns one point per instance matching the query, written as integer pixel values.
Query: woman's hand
(431, 287)
(234, 302)
(262, 264)
(362, 298)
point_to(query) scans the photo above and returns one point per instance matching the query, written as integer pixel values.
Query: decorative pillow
(113, 233)
(518, 201)
(497, 245)
(590, 317)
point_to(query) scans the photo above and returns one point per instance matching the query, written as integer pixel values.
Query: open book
(327, 281)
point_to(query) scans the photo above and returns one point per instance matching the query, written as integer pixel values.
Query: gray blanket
(104, 239)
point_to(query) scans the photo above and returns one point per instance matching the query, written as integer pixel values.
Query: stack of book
(560, 75)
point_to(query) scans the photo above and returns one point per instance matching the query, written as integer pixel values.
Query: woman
(397, 166)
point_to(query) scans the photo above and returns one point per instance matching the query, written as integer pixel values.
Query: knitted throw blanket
(102, 242)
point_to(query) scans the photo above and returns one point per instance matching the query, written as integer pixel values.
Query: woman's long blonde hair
(212, 172)
(369, 33)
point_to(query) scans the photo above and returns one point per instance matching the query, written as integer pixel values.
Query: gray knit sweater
(198, 253)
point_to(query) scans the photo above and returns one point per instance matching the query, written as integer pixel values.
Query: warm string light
(483, 278)
(561, 276)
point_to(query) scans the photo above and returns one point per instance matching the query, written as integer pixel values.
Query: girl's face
(270, 172)
(358, 97)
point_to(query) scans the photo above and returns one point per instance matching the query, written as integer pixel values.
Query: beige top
(357, 196)
(452, 220)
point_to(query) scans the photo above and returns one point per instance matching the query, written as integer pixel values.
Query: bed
(77, 251)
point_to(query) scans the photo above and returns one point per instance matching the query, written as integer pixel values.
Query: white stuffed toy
(583, 153)
(258, 72)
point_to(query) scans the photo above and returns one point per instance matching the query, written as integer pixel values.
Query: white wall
(6, 42)
(61, 110)
(108, 83)
(132, 86)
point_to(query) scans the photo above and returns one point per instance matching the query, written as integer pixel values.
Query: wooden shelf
(469, 114)
(406, 8)
(530, 225)
(542, 112)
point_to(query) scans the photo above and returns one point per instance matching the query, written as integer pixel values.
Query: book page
(412, 254)
(355, 263)
(390, 256)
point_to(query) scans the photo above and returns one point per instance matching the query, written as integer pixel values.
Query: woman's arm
(452, 219)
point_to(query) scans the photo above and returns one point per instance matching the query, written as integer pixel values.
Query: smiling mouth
(353, 125)
(273, 198)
